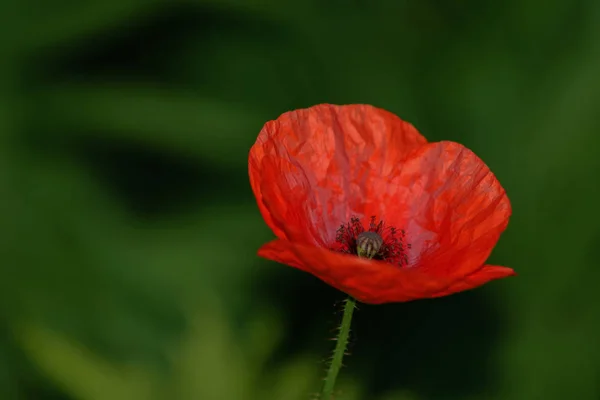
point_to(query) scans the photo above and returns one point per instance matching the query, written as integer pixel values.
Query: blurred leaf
(48, 27)
(263, 9)
(211, 365)
(83, 374)
(297, 380)
(77, 266)
(221, 133)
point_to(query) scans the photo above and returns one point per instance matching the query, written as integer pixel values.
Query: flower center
(368, 244)
(378, 242)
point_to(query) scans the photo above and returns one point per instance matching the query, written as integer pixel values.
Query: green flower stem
(340, 349)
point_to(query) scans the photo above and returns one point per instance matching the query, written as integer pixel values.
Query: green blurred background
(129, 230)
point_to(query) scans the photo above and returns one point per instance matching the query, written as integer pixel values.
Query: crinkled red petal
(480, 277)
(369, 281)
(451, 206)
(312, 169)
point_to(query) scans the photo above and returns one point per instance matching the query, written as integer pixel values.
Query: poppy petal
(451, 206)
(280, 251)
(476, 279)
(312, 169)
(369, 281)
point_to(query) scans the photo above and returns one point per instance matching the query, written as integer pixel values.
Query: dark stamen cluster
(392, 250)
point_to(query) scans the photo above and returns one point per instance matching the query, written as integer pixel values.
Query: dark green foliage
(128, 229)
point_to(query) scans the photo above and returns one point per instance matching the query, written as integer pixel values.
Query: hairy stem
(340, 349)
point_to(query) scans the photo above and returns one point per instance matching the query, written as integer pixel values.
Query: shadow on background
(426, 347)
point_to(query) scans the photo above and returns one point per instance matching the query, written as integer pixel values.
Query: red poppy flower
(360, 199)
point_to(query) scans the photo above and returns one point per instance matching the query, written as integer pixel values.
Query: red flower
(323, 176)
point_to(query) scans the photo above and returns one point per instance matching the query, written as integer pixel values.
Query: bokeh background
(129, 230)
